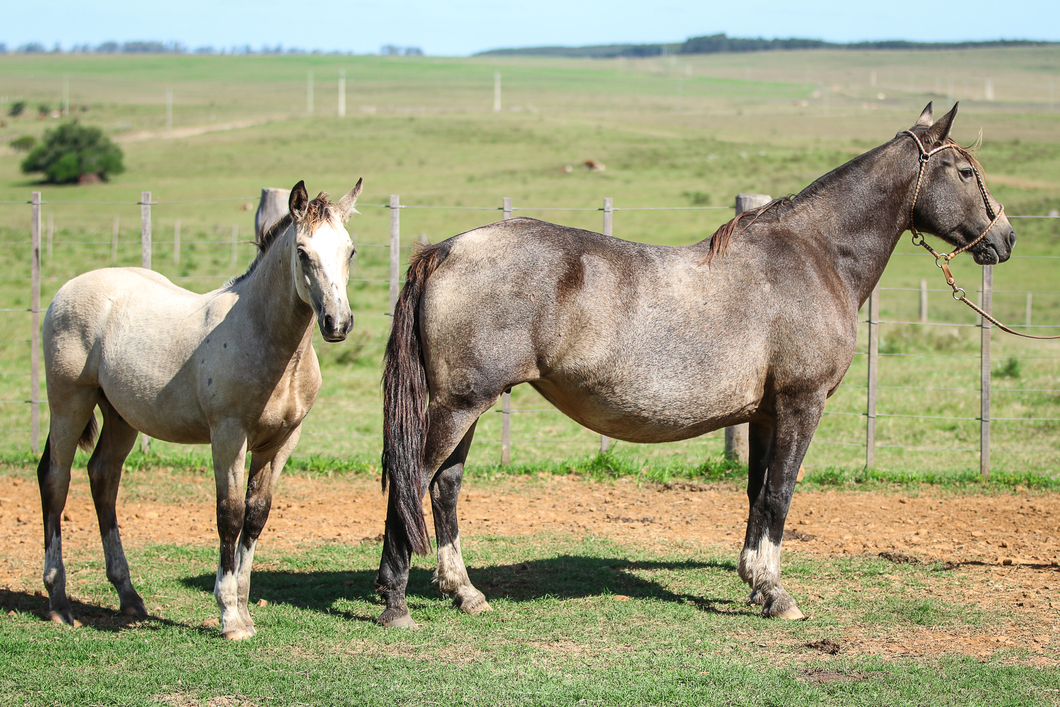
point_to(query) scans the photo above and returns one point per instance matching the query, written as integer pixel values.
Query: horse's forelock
(318, 211)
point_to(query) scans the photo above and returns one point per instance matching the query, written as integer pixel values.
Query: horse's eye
(303, 255)
(966, 173)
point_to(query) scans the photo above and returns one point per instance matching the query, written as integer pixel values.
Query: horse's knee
(255, 515)
(230, 518)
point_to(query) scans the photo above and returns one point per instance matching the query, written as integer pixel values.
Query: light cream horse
(234, 368)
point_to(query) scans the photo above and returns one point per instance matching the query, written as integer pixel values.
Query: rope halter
(943, 260)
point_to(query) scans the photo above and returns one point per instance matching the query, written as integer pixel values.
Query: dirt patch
(1005, 548)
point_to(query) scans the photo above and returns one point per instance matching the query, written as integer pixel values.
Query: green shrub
(17, 109)
(23, 144)
(72, 152)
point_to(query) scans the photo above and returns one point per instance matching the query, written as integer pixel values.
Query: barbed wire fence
(41, 242)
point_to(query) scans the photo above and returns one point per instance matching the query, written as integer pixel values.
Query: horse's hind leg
(451, 574)
(68, 421)
(116, 440)
(448, 429)
(776, 452)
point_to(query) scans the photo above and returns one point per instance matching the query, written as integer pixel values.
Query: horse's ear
(298, 204)
(346, 203)
(927, 117)
(941, 130)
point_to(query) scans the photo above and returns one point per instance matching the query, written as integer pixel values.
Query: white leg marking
(765, 566)
(244, 564)
(451, 577)
(227, 592)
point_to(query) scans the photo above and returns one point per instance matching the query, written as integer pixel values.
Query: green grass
(574, 621)
(672, 133)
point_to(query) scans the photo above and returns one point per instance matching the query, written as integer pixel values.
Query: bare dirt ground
(1003, 549)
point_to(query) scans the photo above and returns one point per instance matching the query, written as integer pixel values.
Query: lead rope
(943, 260)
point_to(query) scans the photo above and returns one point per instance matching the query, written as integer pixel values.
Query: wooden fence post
(737, 446)
(145, 229)
(873, 378)
(34, 335)
(145, 258)
(235, 244)
(506, 396)
(923, 302)
(605, 441)
(395, 249)
(984, 375)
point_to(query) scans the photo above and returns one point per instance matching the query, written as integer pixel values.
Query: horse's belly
(646, 416)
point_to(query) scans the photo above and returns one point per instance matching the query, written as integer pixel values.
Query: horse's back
(92, 303)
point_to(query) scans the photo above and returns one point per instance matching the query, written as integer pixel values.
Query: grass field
(672, 133)
(663, 632)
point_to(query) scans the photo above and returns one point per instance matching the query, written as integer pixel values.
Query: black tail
(405, 397)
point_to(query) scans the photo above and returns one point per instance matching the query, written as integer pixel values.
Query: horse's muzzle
(335, 328)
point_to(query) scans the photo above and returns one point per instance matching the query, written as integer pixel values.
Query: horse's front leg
(229, 452)
(776, 451)
(265, 470)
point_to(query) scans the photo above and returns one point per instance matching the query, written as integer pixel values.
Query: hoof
(236, 634)
(390, 619)
(136, 609)
(791, 614)
(472, 604)
(64, 618)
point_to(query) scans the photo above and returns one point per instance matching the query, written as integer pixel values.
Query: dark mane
(318, 211)
(721, 239)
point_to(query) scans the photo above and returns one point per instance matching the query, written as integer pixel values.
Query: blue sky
(462, 27)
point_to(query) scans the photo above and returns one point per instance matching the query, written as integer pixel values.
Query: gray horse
(648, 343)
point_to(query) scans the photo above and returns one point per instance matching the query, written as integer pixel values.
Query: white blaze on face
(331, 247)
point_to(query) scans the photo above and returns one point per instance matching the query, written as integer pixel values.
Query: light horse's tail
(405, 396)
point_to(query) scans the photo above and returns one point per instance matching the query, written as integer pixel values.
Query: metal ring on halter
(961, 290)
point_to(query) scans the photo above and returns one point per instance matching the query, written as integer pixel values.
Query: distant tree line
(723, 44)
(143, 47)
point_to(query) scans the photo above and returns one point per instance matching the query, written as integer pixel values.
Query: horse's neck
(861, 210)
(285, 320)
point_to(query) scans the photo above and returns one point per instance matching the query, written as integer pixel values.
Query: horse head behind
(950, 199)
(322, 251)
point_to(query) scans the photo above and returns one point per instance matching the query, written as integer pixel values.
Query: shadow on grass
(92, 616)
(562, 577)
